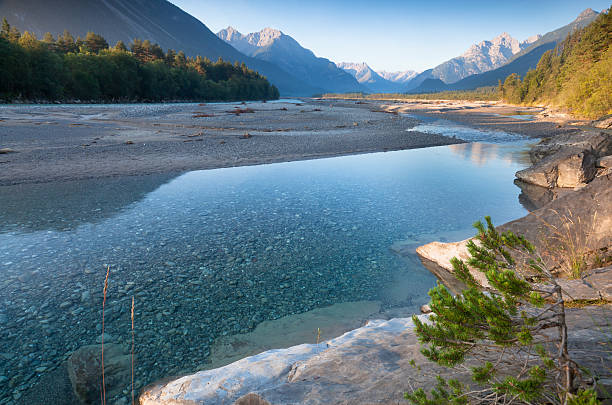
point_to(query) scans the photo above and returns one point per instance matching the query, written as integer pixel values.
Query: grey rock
(566, 168)
(598, 142)
(605, 162)
(85, 296)
(4, 151)
(589, 209)
(604, 122)
(107, 338)
(84, 371)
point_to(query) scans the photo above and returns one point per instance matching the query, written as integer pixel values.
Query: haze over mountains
(273, 46)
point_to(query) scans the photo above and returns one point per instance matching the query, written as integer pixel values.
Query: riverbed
(211, 254)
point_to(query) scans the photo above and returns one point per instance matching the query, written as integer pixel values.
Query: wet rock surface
(84, 368)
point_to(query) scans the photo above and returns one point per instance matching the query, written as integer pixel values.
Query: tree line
(88, 69)
(576, 75)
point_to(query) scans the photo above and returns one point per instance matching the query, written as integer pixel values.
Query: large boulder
(597, 141)
(578, 223)
(85, 371)
(566, 168)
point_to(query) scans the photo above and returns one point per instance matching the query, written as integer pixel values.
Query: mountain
(398, 77)
(519, 63)
(481, 57)
(430, 86)
(275, 47)
(558, 35)
(576, 76)
(369, 78)
(417, 80)
(156, 20)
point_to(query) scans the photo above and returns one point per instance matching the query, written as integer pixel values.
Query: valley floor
(45, 143)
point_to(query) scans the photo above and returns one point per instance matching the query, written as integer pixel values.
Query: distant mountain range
(398, 77)
(156, 20)
(273, 46)
(372, 80)
(479, 58)
(482, 57)
(520, 62)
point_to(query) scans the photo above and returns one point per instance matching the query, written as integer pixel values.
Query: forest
(575, 76)
(89, 70)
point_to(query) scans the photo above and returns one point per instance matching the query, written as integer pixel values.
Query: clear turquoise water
(212, 253)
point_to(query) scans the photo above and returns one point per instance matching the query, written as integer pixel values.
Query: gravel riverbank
(45, 143)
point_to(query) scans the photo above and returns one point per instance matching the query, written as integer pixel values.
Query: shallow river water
(214, 253)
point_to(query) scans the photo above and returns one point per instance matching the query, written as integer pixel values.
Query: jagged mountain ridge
(520, 63)
(369, 78)
(274, 46)
(398, 77)
(584, 18)
(479, 58)
(157, 20)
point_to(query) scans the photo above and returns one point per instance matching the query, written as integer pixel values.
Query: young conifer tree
(510, 321)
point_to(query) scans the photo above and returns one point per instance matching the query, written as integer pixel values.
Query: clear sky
(390, 34)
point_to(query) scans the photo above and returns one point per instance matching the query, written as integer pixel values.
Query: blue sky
(387, 34)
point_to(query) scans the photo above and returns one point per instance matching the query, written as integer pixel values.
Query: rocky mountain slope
(479, 58)
(273, 46)
(369, 78)
(584, 18)
(520, 62)
(156, 20)
(398, 77)
(482, 57)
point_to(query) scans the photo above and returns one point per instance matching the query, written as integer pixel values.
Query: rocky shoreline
(333, 372)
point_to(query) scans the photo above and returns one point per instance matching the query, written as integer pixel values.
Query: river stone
(85, 371)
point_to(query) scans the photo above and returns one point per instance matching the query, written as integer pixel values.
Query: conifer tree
(511, 317)
(120, 46)
(95, 43)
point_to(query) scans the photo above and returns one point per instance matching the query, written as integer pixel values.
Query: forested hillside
(576, 75)
(88, 69)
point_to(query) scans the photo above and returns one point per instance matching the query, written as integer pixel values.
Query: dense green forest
(69, 69)
(576, 75)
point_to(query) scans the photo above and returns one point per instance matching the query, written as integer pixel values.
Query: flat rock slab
(369, 365)
(595, 286)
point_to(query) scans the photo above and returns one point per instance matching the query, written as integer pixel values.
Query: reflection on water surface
(214, 253)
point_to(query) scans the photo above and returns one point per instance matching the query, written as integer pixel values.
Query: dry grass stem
(103, 307)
